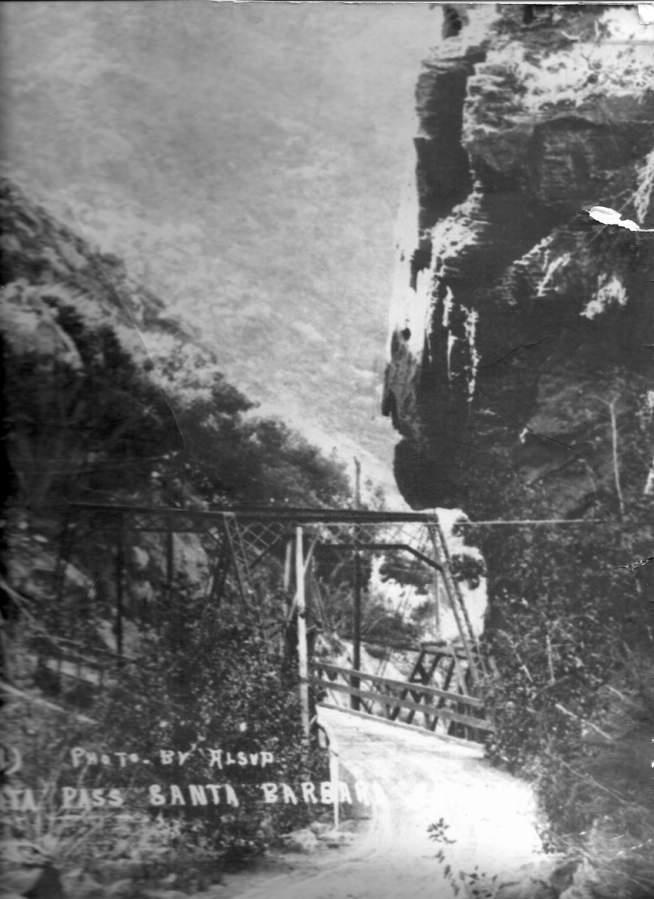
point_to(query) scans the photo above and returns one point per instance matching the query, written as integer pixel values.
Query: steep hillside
(522, 330)
(245, 162)
(108, 399)
(108, 395)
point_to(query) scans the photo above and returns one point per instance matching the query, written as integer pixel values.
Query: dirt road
(415, 779)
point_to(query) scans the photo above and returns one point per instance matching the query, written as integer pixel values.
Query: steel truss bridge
(442, 692)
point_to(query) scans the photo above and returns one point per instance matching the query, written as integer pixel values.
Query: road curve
(415, 779)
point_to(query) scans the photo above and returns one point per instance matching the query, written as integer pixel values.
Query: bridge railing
(442, 711)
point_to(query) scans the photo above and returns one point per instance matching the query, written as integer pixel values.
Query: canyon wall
(521, 357)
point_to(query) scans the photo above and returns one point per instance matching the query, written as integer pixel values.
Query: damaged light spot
(639, 563)
(646, 13)
(608, 216)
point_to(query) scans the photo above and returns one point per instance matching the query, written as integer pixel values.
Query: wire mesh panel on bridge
(150, 566)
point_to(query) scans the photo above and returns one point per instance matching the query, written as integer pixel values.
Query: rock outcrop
(522, 331)
(45, 265)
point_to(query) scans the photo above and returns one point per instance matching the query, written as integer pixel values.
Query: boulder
(19, 880)
(27, 870)
(121, 889)
(546, 878)
(303, 840)
(140, 558)
(335, 839)
(78, 885)
(320, 828)
(163, 893)
(350, 825)
(47, 885)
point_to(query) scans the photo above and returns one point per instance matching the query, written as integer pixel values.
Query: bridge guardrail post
(302, 649)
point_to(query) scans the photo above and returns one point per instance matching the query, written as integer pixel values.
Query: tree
(77, 419)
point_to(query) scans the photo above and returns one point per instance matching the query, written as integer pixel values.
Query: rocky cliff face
(522, 331)
(46, 265)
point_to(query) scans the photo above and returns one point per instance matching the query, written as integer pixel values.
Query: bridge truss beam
(242, 538)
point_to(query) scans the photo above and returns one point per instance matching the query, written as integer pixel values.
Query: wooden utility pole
(356, 623)
(302, 652)
(170, 571)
